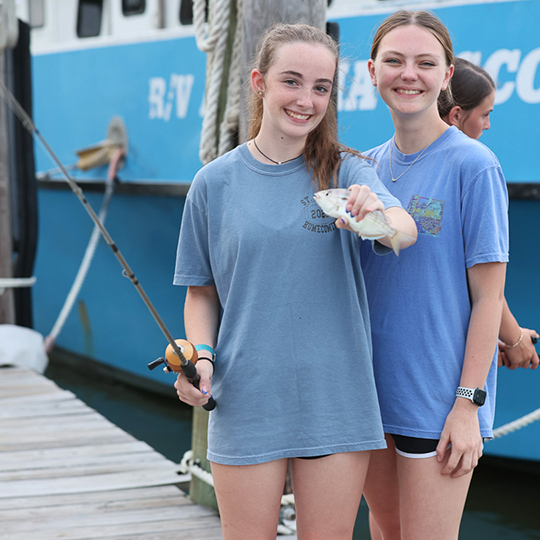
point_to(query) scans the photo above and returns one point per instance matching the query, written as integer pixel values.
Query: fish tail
(397, 239)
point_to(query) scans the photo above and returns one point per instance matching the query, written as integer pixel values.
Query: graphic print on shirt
(427, 213)
(314, 219)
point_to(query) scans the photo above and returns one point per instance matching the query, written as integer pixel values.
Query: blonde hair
(431, 23)
(322, 149)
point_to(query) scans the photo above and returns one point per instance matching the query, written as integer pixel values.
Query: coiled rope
(231, 117)
(212, 38)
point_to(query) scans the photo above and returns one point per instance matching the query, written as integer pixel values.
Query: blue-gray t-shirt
(294, 374)
(419, 302)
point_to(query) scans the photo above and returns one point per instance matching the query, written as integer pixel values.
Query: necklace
(273, 160)
(415, 160)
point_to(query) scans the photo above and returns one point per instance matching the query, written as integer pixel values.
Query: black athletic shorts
(414, 447)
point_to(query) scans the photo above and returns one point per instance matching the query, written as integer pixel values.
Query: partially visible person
(473, 97)
(277, 291)
(435, 319)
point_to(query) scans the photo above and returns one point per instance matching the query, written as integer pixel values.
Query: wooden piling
(7, 302)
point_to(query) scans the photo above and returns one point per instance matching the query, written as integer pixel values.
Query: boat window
(36, 13)
(89, 17)
(133, 7)
(186, 11)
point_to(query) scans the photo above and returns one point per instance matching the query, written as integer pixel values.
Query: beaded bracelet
(517, 342)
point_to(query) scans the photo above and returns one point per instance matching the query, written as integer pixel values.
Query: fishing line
(188, 368)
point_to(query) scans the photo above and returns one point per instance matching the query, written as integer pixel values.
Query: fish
(373, 226)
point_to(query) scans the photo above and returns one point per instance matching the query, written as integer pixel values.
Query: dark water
(503, 502)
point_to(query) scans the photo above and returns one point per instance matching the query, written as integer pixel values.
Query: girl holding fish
(435, 310)
(473, 97)
(277, 291)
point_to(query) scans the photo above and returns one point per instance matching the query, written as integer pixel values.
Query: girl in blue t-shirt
(277, 292)
(436, 311)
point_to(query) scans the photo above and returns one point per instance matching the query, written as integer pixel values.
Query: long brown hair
(429, 22)
(322, 149)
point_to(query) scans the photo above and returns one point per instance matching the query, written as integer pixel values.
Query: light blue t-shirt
(294, 374)
(419, 302)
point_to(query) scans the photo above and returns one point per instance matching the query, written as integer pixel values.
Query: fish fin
(397, 239)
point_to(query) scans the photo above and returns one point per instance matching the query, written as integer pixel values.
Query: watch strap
(476, 395)
(467, 393)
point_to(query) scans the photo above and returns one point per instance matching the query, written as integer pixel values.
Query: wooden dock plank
(86, 517)
(22, 513)
(47, 408)
(86, 469)
(67, 472)
(180, 529)
(84, 455)
(60, 395)
(102, 497)
(62, 422)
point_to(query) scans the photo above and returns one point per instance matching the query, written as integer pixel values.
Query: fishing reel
(182, 360)
(172, 362)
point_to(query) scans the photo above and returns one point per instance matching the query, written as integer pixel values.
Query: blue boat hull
(78, 91)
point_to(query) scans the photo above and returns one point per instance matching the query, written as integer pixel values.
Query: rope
(88, 255)
(212, 39)
(231, 117)
(11, 283)
(516, 424)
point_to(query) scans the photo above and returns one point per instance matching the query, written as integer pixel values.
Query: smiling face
(410, 70)
(296, 90)
(477, 119)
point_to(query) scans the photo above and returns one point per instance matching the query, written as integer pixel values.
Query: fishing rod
(185, 364)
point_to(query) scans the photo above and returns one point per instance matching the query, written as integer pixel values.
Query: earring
(260, 93)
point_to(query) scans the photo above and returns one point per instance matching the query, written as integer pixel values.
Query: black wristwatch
(476, 395)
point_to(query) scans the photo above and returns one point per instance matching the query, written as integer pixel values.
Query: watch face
(479, 397)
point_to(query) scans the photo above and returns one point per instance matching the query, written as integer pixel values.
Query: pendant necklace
(273, 160)
(415, 160)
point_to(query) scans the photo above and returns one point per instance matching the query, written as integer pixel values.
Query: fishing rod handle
(191, 375)
(210, 405)
(188, 369)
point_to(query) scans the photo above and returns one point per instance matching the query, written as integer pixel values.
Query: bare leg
(382, 493)
(410, 498)
(327, 493)
(431, 504)
(249, 498)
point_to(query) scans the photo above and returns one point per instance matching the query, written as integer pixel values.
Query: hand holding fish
(362, 201)
(359, 210)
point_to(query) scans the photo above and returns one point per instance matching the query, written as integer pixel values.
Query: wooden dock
(68, 473)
